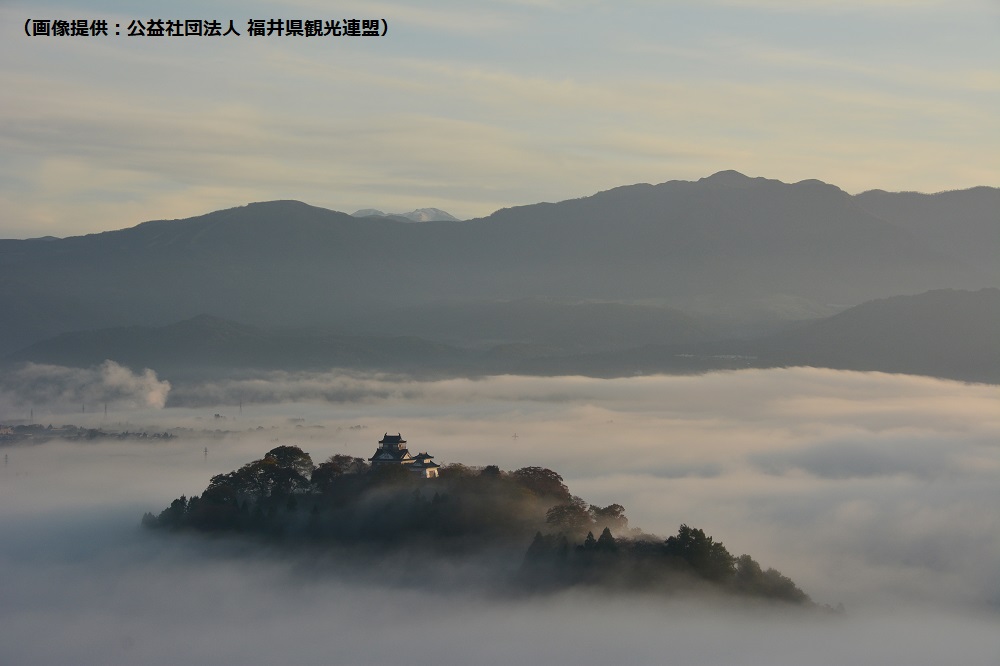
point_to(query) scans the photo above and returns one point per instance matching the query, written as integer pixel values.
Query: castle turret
(391, 451)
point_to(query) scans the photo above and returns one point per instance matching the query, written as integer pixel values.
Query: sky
(873, 490)
(474, 107)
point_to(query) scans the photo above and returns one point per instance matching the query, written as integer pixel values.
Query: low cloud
(55, 386)
(284, 387)
(852, 459)
(875, 490)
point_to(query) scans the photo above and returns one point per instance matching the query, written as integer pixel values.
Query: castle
(392, 451)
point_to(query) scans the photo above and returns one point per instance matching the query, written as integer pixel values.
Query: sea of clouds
(873, 490)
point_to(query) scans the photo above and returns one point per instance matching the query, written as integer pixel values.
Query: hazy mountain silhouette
(486, 337)
(545, 322)
(944, 333)
(964, 224)
(725, 241)
(207, 344)
(726, 244)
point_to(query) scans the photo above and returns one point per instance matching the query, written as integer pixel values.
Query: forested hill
(343, 502)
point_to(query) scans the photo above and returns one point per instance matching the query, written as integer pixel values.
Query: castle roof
(390, 455)
(423, 460)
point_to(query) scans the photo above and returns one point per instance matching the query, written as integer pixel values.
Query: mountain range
(679, 263)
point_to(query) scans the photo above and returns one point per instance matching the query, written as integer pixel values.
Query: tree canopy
(707, 557)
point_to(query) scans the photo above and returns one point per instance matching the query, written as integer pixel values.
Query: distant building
(424, 466)
(392, 451)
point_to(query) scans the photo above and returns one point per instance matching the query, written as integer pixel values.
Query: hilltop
(527, 518)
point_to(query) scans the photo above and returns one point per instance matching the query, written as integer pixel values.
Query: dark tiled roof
(394, 455)
(392, 439)
(423, 461)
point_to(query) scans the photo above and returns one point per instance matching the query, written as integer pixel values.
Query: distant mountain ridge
(210, 344)
(724, 246)
(945, 333)
(962, 223)
(418, 215)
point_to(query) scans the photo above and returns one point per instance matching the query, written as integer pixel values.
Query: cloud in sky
(474, 109)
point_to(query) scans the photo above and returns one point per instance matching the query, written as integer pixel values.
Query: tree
(273, 475)
(291, 457)
(324, 476)
(490, 472)
(542, 482)
(343, 464)
(572, 517)
(748, 572)
(778, 586)
(606, 542)
(174, 515)
(217, 509)
(539, 548)
(456, 471)
(708, 558)
(751, 579)
(613, 516)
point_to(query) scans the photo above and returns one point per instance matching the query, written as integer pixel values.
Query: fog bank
(878, 491)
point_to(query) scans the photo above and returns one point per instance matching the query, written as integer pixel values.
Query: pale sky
(471, 107)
